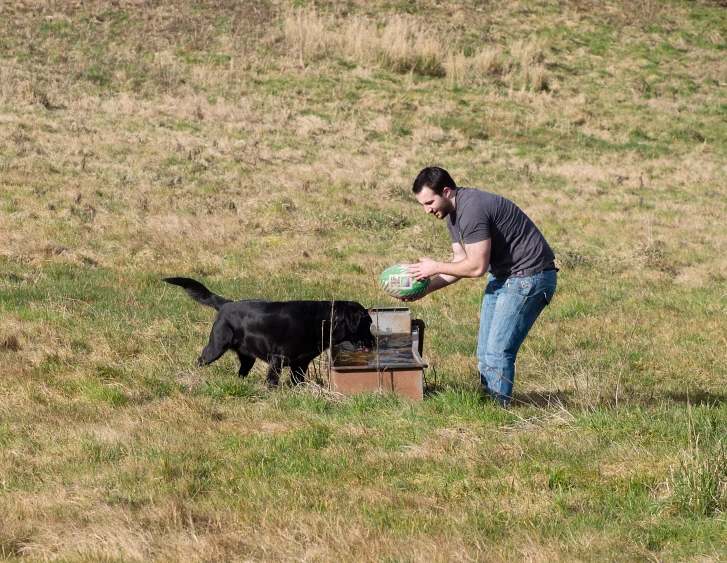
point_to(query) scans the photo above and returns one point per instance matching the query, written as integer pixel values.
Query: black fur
(282, 333)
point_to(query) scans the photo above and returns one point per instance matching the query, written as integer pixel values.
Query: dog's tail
(198, 292)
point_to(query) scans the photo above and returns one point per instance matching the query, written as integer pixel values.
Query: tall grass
(404, 44)
(698, 483)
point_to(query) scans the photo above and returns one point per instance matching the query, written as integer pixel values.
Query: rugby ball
(399, 283)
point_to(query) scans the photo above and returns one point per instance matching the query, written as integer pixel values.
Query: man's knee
(499, 357)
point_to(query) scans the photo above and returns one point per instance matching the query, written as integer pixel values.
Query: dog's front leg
(246, 363)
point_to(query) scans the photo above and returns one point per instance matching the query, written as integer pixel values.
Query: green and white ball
(399, 283)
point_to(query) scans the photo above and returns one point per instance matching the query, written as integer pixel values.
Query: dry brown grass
(404, 44)
(398, 44)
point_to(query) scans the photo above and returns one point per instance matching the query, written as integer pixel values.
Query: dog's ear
(352, 317)
(348, 316)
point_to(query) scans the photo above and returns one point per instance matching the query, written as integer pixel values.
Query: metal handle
(418, 324)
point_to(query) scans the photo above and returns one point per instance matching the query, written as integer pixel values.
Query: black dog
(282, 333)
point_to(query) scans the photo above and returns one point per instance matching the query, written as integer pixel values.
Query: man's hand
(438, 282)
(425, 268)
(470, 264)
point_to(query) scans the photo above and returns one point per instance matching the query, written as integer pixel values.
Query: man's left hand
(425, 268)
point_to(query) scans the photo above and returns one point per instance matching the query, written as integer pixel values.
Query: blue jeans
(509, 310)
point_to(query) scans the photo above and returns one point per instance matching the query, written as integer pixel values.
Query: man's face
(439, 205)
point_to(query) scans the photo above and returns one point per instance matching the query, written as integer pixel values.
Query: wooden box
(395, 364)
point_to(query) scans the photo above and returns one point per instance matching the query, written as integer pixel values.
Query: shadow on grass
(547, 399)
(569, 399)
(700, 397)
(434, 388)
(573, 399)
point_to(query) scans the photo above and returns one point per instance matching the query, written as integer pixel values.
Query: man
(490, 233)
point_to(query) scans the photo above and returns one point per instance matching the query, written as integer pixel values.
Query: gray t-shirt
(518, 247)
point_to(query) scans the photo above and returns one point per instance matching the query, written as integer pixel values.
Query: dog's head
(352, 323)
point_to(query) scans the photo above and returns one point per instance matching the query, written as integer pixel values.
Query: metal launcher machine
(395, 364)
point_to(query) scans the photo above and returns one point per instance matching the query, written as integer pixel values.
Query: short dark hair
(434, 178)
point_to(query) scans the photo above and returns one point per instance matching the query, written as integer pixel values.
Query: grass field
(267, 148)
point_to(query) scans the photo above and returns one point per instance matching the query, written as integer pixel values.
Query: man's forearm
(461, 269)
(440, 281)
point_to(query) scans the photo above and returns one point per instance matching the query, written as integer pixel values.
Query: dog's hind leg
(276, 367)
(246, 363)
(220, 341)
(298, 371)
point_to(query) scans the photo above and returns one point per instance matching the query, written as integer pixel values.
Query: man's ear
(447, 192)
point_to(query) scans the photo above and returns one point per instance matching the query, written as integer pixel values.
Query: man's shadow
(569, 398)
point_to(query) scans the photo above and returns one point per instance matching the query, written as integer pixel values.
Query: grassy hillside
(267, 148)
